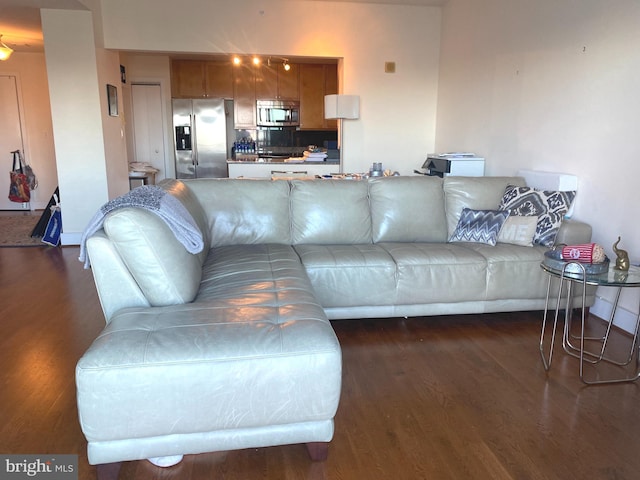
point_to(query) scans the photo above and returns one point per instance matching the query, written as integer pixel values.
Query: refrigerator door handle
(194, 143)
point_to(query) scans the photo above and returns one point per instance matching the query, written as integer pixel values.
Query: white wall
(550, 85)
(113, 128)
(397, 124)
(89, 145)
(76, 114)
(31, 74)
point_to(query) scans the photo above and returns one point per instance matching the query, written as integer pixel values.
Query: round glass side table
(571, 274)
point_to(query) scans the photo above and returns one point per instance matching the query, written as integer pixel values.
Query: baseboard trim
(624, 319)
(72, 238)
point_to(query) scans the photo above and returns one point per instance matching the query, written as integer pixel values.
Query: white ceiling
(20, 21)
(21, 29)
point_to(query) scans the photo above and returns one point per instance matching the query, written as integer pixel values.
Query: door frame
(169, 163)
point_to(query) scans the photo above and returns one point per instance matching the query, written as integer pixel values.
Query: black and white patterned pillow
(480, 226)
(549, 206)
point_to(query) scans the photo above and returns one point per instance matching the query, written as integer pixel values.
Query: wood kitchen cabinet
(187, 79)
(316, 81)
(274, 82)
(244, 97)
(266, 82)
(330, 88)
(308, 83)
(288, 83)
(201, 79)
(219, 79)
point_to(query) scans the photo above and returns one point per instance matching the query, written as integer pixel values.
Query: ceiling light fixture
(285, 63)
(256, 60)
(5, 52)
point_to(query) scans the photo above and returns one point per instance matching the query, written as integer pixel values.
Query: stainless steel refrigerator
(200, 138)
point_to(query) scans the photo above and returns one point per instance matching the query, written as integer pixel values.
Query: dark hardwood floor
(455, 397)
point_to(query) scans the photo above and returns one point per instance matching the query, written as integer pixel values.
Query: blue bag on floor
(54, 226)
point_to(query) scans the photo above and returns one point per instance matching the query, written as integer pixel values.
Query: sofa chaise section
(248, 360)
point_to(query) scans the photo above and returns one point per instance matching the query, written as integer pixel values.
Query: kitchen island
(252, 166)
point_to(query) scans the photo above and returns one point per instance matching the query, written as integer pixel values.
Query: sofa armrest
(573, 232)
(116, 286)
(163, 269)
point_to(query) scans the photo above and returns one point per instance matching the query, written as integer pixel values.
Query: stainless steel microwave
(277, 113)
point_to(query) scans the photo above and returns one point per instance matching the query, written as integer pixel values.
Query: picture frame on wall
(112, 100)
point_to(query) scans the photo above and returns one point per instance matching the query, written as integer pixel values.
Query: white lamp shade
(341, 106)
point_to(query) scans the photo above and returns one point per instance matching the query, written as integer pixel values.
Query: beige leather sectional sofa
(232, 347)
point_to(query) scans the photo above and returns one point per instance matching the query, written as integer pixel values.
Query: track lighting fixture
(237, 60)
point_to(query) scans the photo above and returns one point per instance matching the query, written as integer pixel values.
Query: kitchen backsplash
(283, 137)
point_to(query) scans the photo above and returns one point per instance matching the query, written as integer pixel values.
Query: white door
(10, 137)
(148, 131)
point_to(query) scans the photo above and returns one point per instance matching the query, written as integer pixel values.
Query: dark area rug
(15, 231)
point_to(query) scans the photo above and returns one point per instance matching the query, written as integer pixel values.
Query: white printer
(464, 164)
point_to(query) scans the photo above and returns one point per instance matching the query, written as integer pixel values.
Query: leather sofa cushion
(250, 274)
(476, 193)
(512, 271)
(437, 272)
(116, 287)
(330, 212)
(350, 275)
(244, 211)
(407, 209)
(166, 273)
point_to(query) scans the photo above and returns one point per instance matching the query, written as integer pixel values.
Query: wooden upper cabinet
(308, 83)
(311, 96)
(244, 97)
(274, 82)
(219, 79)
(266, 82)
(330, 79)
(288, 82)
(316, 81)
(200, 79)
(188, 79)
(330, 88)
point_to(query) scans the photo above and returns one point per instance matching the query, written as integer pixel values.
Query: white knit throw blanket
(158, 201)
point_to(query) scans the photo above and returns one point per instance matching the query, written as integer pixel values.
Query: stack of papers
(457, 155)
(142, 167)
(314, 156)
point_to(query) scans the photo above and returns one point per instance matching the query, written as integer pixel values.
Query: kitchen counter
(279, 160)
(252, 166)
(276, 161)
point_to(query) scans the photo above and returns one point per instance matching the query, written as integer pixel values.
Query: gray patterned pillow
(550, 207)
(480, 226)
